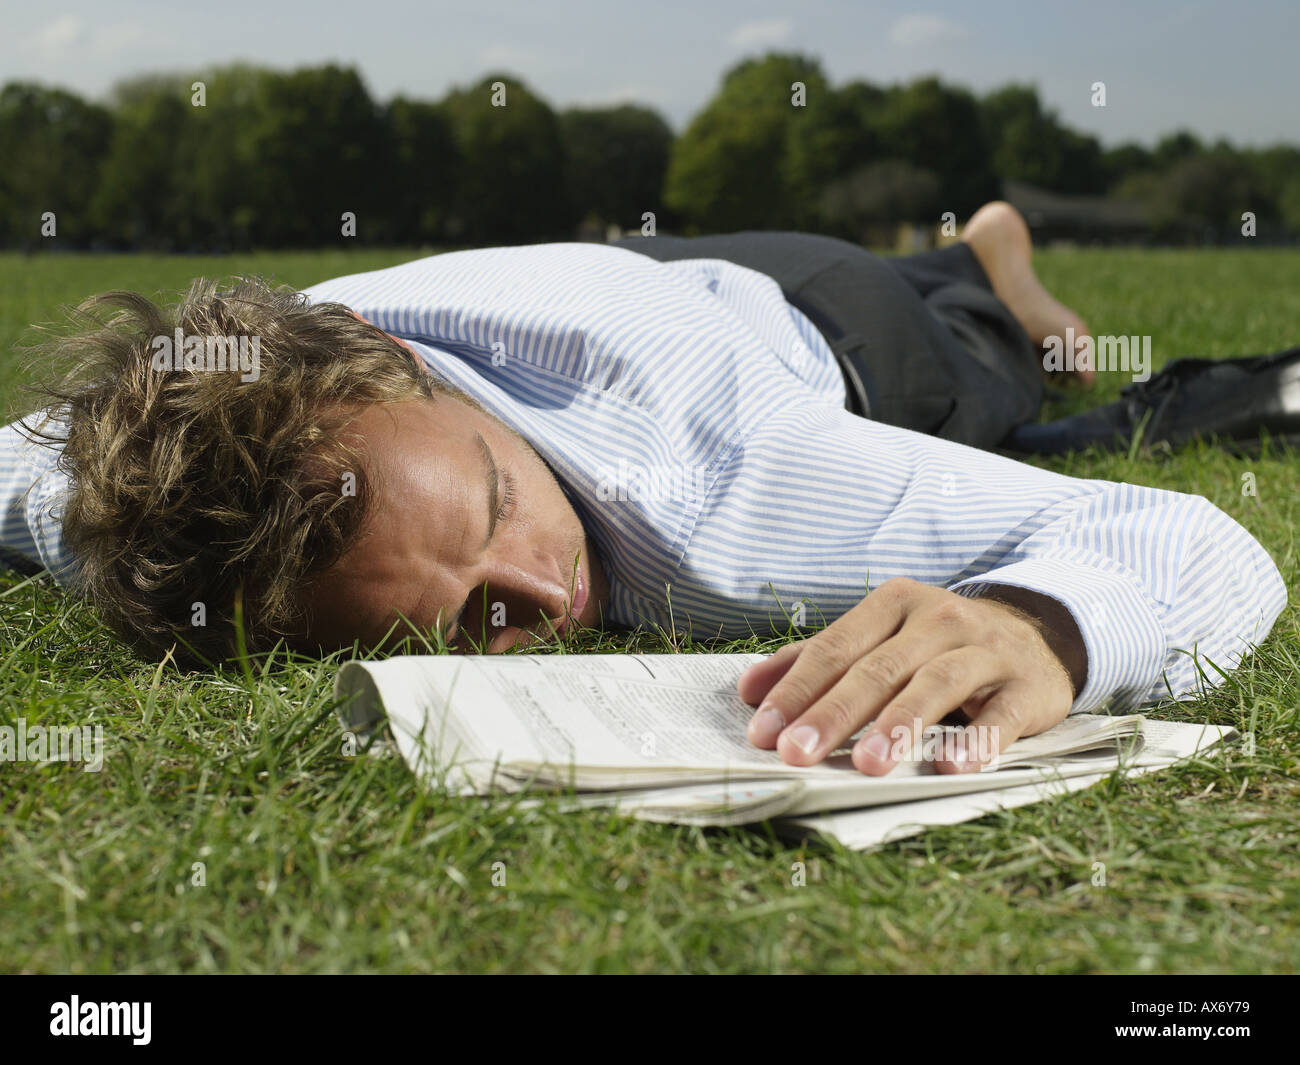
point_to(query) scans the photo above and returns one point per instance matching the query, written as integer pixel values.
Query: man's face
(469, 532)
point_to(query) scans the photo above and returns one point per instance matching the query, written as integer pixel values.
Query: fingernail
(766, 725)
(804, 737)
(876, 744)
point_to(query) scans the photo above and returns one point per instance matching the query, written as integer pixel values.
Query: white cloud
(761, 34)
(71, 39)
(122, 38)
(63, 33)
(506, 55)
(913, 31)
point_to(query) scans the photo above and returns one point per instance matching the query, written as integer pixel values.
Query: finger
(823, 659)
(757, 680)
(942, 683)
(863, 689)
(766, 723)
(1010, 714)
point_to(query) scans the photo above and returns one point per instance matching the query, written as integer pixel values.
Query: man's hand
(906, 657)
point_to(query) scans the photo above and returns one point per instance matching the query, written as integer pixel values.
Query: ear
(413, 353)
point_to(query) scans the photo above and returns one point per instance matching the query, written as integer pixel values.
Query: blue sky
(1219, 69)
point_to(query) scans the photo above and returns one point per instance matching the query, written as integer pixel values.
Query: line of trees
(244, 156)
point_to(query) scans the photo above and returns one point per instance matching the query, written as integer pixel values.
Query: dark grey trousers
(922, 340)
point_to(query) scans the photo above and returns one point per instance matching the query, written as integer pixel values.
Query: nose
(515, 602)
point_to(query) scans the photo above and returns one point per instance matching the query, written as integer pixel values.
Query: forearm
(1146, 585)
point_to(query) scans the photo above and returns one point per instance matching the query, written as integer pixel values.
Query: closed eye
(507, 504)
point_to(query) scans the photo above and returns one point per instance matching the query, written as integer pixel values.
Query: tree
(510, 186)
(1174, 148)
(741, 164)
(1030, 144)
(1211, 190)
(1276, 180)
(833, 140)
(321, 151)
(937, 128)
(1288, 204)
(53, 144)
(224, 175)
(261, 157)
(1124, 160)
(1202, 195)
(881, 193)
(143, 200)
(615, 162)
(426, 174)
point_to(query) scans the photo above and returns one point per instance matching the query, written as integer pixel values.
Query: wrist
(1054, 624)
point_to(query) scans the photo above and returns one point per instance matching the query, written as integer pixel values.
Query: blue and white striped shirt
(697, 423)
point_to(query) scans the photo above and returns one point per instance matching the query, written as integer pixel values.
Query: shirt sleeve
(1155, 580)
(32, 493)
(818, 506)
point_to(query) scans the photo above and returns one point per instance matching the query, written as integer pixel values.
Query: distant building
(1083, 219)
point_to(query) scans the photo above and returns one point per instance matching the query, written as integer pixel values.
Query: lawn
(229, 832)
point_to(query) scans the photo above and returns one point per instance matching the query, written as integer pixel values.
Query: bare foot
(1000, 239)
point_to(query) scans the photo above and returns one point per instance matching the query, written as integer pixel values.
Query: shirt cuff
(1121, 629)
(45, 505)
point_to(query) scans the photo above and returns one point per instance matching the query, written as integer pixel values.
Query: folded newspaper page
(662, 737)
(1166, 742)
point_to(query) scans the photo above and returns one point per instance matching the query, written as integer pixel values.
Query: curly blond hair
(192, 490)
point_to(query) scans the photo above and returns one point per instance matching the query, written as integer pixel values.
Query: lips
(574, 613)
(579, 596)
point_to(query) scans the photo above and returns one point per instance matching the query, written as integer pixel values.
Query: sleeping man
(496, 446)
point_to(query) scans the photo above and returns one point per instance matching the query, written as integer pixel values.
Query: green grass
(315, 861)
